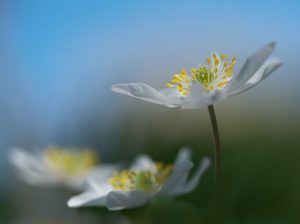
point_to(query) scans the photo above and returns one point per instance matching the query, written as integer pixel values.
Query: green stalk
(216, 215)
(217, 144)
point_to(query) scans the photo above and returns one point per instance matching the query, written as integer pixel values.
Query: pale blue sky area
(53, 40)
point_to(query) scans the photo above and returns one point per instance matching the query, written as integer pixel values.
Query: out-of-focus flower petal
(88, 198)
(142, 162)
(265, 70)
(177, 179)
(184, 154)
(35, 169)
(118, 200)
(98, 185)
(30, 168)
(195, 179)
(103, 172)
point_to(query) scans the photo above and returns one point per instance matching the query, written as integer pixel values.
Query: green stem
(216, 218)
(217, 144)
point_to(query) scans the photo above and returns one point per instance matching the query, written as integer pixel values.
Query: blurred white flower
(144, 180)
(207, 84)
(56, 166)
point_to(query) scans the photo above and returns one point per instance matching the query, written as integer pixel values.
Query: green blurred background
(59, 59)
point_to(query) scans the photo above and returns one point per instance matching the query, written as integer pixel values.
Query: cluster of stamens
(71, 162)
(182, 81)
(143, 180)
(215, 75)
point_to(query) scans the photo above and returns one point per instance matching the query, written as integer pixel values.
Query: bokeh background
(58, 60)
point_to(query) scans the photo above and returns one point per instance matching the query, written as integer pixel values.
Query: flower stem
(217, 144)
(216, 136)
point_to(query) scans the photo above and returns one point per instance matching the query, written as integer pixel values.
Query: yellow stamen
(216, 61)
(174, 81)
(144, 180)
(71, 162)
(181, 81)
(214, 75)
(180, 89)
(222, 84)
(176, 76)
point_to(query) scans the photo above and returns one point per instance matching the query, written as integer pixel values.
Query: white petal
(118, 200)
(101, 187)
(194, 181)
(265, 70)
(171, 92)
(147, 93)
(177, 179)
(30, 168)
(142, 162)
(200, 98)
(102, 172)
(88, 198)
(185, 153)
(21, 158)
(251, 66)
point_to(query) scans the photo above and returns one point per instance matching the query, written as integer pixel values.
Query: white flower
(207, 84)
(144, 180)
(55, 166)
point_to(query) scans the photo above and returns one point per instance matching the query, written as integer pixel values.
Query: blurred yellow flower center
(215, 75)
(143, 180)
(71, 162)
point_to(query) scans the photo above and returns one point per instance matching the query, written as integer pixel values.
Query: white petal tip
(279, 63)
(186, 149)
(206, 162)
(74, 203)
(116, 88)
(78, 201)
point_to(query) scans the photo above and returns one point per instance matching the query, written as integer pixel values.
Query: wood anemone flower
(140, 183)
(207, 84)
(55, 166)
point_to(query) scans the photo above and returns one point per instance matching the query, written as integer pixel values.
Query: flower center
(215, 75)
(71, 162)
(143, 180)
